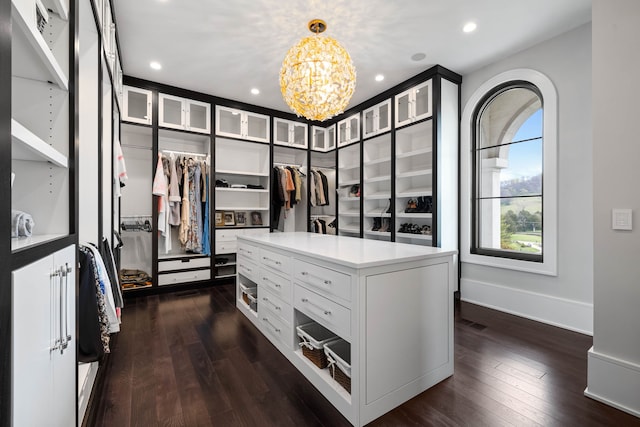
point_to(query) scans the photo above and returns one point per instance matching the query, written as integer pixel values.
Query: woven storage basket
(248, 294)
(312, 339)
(339, 358)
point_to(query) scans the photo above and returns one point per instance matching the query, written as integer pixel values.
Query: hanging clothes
(93, 322)
(184, 215)
(121, 167)
(325, 188)
(160, 189)
(206, 244)
(194, 237)
(174, 194)
(277, 197)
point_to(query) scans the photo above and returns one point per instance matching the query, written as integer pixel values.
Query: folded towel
(21, 224)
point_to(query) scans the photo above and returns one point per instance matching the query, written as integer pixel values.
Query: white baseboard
(614, 382)
(86, 378)
(573, 315)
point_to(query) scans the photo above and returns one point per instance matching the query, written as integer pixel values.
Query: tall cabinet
(37, 134)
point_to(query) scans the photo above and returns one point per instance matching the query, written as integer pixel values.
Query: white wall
(614, 360)
(566, 299)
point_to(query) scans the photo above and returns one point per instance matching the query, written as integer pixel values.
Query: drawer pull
(277, 307)
(326, 282)
(245, 267)
(272, 260)
(244, 250)
(277, 285)
(325, 311)
(271, 324)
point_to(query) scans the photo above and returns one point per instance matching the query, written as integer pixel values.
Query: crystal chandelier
(317, 78)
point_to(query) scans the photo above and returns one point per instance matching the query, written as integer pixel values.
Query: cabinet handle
(55, 282)
(66, 317)
(271, 260)
(326, 282)
(271, 324)
(324, 310)
(277, 307)
(277, 285)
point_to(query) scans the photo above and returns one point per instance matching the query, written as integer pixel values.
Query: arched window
(509, 190)
(508, 197)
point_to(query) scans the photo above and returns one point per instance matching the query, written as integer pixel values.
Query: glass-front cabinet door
(171, 111)
(198, 116)
(256, 127)
(290, 133)
(414, 104)
(349, 130)
(137, 105)
(323, 139)
(422, 101)
(242, 124)
(377, 119)
(228, 122)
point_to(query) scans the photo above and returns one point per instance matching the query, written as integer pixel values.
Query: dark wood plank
(191, 359)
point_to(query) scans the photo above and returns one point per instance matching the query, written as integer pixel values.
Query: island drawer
(331, 315)
(276, 261)
(326, 281)
(278, 285)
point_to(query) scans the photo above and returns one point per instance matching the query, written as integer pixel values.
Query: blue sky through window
(525, 159)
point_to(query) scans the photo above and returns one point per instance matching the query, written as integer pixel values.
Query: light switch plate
(621, 219)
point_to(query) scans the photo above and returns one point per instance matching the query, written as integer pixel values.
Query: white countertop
(348, 251)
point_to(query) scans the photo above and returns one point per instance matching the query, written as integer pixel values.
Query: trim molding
(613, 382)
(567, 314)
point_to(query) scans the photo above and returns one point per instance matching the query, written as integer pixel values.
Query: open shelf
(377, 161)
(61, 7)
(349, 182)
(349, 229)
(350, 213)
(36, 60)
(414, 236)
(242, 190)
(378, 214)
(378, 179)
(325, 375)
(349, 167)
(25, 145)
(410, 174)
(415, 192)
(349, 199)
(379, 195)
(427, 150)
(18, 243)
(414, 215)
(247, 173)
(240, 208)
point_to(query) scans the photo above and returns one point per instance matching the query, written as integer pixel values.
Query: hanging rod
(137, 147)
(286, 164)
(186, 153)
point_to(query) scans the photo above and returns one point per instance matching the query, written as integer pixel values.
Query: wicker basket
(338, 354)
(312, 339)
(248, 295)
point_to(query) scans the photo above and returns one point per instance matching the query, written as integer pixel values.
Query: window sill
(547, 268)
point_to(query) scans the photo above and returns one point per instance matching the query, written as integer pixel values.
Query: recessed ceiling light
(255, 91)
(155, 65)
(418, 56)
(469, 27)
(379, 78)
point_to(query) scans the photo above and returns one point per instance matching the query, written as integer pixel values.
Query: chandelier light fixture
(317, 78)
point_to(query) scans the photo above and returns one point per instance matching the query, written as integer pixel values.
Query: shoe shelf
(349, 228)
(415, 192)
(414, 236)
(349, 199)
(377, 214)
(350, 167)
(378, 233)
(241, 190)
(353, 213)
(349, 182)
(423, 215)
(378, 196)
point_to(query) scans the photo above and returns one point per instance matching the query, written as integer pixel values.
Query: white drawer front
(326, 312)
(183, 264)
(249, 251)
(276, 305)
(227, 235)
(183, 277)
(248, 269)
(274, 327)
(326, 281)
(281, 263)
(226, 247)
(276, 284)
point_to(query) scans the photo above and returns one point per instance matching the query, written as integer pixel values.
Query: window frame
(547, 263)
(476, 169)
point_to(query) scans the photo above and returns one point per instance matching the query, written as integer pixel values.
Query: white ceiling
(225, 48)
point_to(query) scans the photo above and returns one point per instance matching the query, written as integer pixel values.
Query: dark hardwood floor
(191, 359)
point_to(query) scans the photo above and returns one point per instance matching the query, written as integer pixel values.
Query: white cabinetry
(345, 286)
(293, 134)
(377, 119)
(377, 187)
(242, 124)
(414, 104)
(137, 105)
(349, 130)
(44, 342)
(323, 139)
(184, 114)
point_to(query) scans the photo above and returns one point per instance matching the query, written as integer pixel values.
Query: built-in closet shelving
(376, 185)
(322, 218)
(349, 190)
(294, 218)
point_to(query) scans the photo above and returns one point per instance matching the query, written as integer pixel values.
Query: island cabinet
(382, 313)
